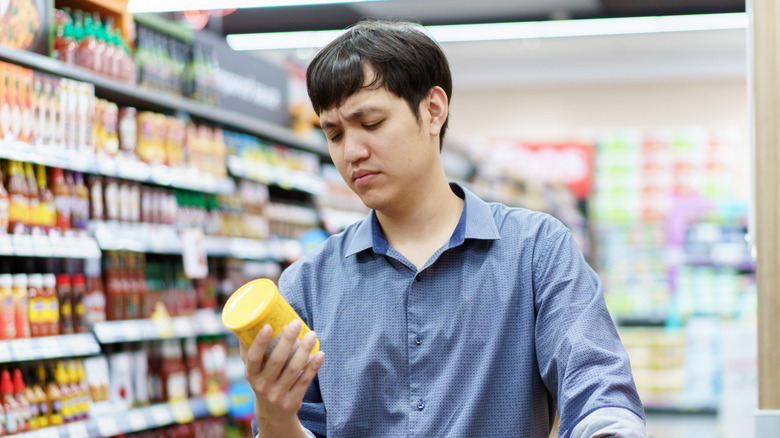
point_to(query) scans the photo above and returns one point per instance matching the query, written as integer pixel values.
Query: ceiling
(532, 62)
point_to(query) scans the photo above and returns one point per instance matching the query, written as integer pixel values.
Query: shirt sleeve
(581, 359)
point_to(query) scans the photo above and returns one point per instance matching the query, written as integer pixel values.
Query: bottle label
(4, 215)
(16, 122)
(27, 124)
(11, 422)
(17, 208)
(5, 118)
(9, 318)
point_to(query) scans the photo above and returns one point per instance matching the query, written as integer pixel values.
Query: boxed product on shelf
(28, 28)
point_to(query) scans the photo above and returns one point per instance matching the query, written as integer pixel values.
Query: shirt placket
(416, 341)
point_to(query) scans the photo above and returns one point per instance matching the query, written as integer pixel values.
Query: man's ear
(437, 108)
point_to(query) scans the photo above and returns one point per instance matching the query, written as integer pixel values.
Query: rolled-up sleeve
(581, 359)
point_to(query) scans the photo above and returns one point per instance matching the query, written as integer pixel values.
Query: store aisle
(682, 426)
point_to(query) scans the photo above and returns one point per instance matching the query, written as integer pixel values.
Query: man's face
(380, 148)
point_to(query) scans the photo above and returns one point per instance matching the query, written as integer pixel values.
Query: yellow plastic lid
(248, 304)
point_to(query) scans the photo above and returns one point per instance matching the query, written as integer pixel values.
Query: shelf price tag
(137, 420)
(217, 403)
(5, 352)
(107, 426)
(77, 430)
(181, 410)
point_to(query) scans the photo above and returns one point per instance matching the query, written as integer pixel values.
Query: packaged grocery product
(256, 304)
(22, 319)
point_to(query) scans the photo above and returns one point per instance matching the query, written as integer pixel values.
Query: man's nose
(355, 148)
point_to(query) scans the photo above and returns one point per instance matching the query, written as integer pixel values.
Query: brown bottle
(49, 294)
(47, 210)
(78, 290)
(33, 397)
(132, 294)
(33, 201)
(114, 294)
(65, 298)
(80, 213)
(52, 399)
(37, 306)
(95, 197)
(18, 208)
(62, 198)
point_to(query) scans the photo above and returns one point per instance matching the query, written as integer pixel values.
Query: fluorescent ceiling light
(142, 6)
(509, 31)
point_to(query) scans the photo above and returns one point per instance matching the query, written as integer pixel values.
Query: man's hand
(279, 384)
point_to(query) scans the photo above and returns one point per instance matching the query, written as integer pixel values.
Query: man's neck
(426, 222)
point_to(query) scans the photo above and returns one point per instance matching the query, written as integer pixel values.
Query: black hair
(404, 59)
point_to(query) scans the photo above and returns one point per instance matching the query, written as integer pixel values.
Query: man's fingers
(298, 360)
(300, 386)
(281, 351)
(256, 353)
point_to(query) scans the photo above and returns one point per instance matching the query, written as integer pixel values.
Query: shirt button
(420, 404)
(418, 278)
(418, 340)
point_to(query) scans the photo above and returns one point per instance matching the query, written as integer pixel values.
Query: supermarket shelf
(137, 419)
(53, 245)
(165, 239)
(268, 174)
(49, 347)
(203, 322)
(687, 410)
(114, 90)
(85, 161)
(634, 321)
(740, 265)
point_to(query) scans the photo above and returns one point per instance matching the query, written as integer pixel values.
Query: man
(439, 315)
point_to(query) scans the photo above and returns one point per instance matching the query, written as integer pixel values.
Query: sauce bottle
(84, 388)
(80, 213)
(78, 291)
(7, 310)
(110, 68)
(62, 199)
(49, 295)
(20, 305)
(77, 402)
(33, 202)
(95, 299)
(37, 306)
(10, 406)
(4, 201)
(85, 54)
(18, 206)
(53, 398)
(62, 381)
(47, 210)
(114, 297)
(101, 46)
(25, 414)
(32, 399)
(65, 298)
(132, 293)
(96, 197)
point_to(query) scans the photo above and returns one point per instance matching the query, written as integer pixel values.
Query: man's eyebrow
(357, 114)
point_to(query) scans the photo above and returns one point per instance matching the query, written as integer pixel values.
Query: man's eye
(335, 137)
(373, 125)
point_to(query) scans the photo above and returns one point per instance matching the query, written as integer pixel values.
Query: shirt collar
(476, 222)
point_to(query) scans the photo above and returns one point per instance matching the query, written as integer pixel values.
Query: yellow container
(256, 304)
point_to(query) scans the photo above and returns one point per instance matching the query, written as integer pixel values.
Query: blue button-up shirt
(503, 323)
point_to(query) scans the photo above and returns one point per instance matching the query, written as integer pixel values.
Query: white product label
(27, 123)
(16, 122)
(5, 118)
